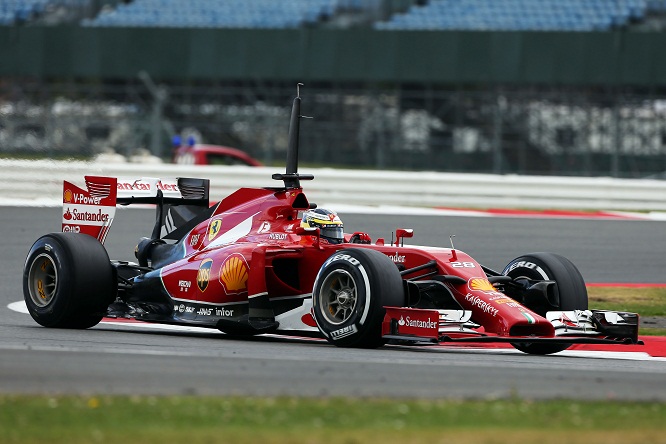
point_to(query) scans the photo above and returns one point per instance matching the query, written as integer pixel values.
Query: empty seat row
(518, 15)
(13, 11)
(498, 15)
(215, 13)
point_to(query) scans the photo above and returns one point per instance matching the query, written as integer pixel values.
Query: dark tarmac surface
(122, 359)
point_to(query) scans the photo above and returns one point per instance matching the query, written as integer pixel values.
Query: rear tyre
(349, 296)
(68, 281)
(570, 285)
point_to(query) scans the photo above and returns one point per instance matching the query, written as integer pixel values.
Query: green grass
(110, 419)
(648, 301)
(651, 331)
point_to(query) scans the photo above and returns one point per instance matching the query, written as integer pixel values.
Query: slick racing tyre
(68, 281)
(350, 293)
(570, 286)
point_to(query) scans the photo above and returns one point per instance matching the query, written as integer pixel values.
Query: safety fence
(559, 131)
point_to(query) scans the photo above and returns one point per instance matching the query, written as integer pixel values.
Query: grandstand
(461, 15)
(281, 14)
(520, 15)
(215, 14)
(20, 11)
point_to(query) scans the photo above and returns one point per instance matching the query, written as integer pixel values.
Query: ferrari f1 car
(267, 261)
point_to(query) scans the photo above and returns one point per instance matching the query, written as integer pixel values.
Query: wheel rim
(338, 297)
(42, 279)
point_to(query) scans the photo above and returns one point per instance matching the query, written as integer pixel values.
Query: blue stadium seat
(498, 15)
(17, 11)
(216, 13)
(521, 15)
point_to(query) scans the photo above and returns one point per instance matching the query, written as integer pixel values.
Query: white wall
(41, 182)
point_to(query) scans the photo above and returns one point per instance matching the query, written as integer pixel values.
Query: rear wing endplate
(91, 210)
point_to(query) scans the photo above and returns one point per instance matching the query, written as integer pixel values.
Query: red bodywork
(252, 244)
(232, 256)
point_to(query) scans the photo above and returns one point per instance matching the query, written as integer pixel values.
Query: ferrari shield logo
(203, 275)
(214, 229)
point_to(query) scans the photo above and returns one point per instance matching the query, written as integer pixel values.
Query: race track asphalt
(114, 358)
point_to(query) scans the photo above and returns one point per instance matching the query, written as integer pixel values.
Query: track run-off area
(130, 357)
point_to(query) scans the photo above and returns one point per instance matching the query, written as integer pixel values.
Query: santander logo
(397, 258)
(86, 216)
(138, 185)
(418, 323)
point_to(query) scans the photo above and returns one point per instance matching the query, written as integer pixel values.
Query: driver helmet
(329, 224)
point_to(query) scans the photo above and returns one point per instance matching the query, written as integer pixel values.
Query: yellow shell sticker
(67, 196)
(481, 284)
(234, 273)
(214, 229)
(203, 275)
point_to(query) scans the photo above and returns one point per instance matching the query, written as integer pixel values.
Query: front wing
(571, 327)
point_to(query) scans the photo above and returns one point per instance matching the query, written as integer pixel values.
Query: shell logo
(234, 273)
(67, 196)
(481, 284)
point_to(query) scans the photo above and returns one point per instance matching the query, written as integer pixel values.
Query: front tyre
(570, 285)
(350, 293)
(68, 281)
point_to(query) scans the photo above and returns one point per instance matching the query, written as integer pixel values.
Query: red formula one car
(267, 260)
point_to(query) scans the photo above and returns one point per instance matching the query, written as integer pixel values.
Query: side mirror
(302, 231)
(360, 237)
(313, 231)
(402, 233)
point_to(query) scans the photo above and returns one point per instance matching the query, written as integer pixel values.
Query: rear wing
(92, 210)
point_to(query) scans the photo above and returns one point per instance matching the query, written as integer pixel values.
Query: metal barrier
(40, 182)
